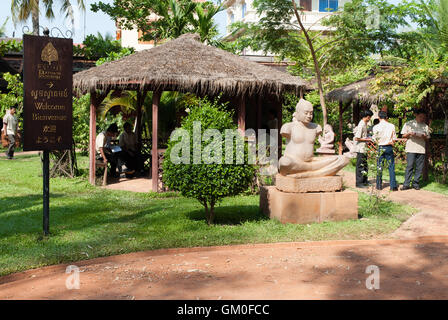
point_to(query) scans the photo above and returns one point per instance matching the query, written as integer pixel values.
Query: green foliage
(208, 183)
(125, 103)
(409, 86)
(351, 41)
(81, 122)
(112, 56)
(14, 97)
(432, 18)
(10, 46)
(99, 46)
(177, 17)
(359, 32)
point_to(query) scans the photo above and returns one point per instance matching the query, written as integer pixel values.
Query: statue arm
(286, 131)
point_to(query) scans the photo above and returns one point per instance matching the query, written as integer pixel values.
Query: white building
(314, 12)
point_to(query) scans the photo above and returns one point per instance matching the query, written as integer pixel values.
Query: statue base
(321, 184)
(304, 208)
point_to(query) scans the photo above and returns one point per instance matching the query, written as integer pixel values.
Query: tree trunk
(212, 213)
(35, 19)
(341, 122)
(316, 65)
(207, 212)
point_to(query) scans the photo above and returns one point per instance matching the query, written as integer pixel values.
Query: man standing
(361, 139)
(417, 132)
(103, 148)
(384, 134)
(10, 124)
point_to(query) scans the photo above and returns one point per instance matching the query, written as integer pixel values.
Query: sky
(85, 24)
(94, 22)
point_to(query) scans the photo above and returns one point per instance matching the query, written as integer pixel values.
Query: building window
(306, 5)
(328, 5)
(243, 10)
(232, 18)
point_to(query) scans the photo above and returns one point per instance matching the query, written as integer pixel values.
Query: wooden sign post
(48, 82)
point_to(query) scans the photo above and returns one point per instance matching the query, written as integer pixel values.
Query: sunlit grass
(88, 222)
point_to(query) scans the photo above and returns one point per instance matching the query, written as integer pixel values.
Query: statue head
(304, 111)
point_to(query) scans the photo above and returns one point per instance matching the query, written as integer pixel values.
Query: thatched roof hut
(187, 65)
(358, 91)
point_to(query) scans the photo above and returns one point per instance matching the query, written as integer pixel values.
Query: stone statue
(351, 147)
(299, 160)
(326, 141)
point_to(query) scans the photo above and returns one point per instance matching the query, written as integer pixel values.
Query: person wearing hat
(417, 133)
(103, 148)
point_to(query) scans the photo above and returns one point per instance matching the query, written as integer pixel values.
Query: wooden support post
(242, 114)
(279, 125)
(155, 149)
(138, 130)
(341, 111)
(95, 101)
(259, 112)
(356, 112)
(92, 138)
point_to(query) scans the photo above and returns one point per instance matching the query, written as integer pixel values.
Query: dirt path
(432, 218)
(408, 269)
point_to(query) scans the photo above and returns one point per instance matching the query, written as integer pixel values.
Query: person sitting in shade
(103, 148)
(130, 151)
(384, 134)
(361, 139)
(417, 133)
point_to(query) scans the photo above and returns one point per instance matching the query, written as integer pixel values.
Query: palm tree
(436, 20)
(23, 9)
(204, 22)
(3, 28)
(126, 104)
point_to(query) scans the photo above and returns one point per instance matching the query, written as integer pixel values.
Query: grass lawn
(400, 168)
(88, 222)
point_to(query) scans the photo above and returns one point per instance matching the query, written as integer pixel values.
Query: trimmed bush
(208, 182)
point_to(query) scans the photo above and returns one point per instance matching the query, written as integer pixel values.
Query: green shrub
(208, 183)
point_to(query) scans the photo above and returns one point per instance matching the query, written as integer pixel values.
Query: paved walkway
(408, 269)
(143, 184)
(430, 220)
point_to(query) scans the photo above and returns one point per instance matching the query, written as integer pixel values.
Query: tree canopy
(159, 20)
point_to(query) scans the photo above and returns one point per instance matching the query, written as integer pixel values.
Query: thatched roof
(187, 65)
(356, 91)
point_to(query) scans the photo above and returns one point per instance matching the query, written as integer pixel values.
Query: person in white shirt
(103, 148)
(384, 134)
(418, 133)
(361, 139)
(10, 125)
